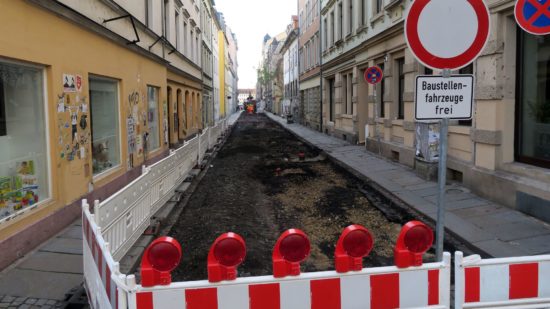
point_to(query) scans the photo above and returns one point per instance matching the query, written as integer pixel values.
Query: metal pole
(441, 181)
(442, 176)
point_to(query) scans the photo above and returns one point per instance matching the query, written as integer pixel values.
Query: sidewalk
(43, 277)
(491, 228)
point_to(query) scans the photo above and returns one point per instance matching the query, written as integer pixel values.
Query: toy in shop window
(100, 156)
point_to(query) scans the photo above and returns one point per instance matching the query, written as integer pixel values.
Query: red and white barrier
(426, 286)
(518, 282)
(98, 264)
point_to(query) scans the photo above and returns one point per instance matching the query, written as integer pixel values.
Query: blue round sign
(533, 16)
(373, 75)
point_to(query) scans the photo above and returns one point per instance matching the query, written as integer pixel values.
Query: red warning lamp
(159, 259)
(414, 240)
(353, 245)
(291, 249)
(227, 252)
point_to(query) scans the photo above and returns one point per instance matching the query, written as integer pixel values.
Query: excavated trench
(257, 186)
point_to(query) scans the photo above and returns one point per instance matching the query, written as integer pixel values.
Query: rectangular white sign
(440, 97)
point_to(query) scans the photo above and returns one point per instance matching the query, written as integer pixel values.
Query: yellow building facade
(80, 114)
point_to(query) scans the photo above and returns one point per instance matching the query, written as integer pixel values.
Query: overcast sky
(250, 20)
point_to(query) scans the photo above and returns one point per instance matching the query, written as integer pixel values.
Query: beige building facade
(502, 153)
(104, 88)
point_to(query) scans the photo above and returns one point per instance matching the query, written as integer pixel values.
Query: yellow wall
(34, 35)
(221, 66)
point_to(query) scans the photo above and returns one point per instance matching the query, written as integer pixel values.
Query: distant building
(310, 62)
(291, 99)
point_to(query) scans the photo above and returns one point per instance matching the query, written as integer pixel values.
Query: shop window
(533, 110)
(104, 124)
(153, 118)
(400, 88)
(24, 179)
(2, 111)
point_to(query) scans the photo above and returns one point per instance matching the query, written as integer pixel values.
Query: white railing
(125, 215)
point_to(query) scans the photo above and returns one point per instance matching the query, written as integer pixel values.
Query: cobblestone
(14, 302)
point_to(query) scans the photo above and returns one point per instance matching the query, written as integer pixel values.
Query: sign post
(445, 35)
(374, 75)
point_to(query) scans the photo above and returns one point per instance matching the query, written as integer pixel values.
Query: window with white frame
(104, 124)
(24, 178)
(153, 118)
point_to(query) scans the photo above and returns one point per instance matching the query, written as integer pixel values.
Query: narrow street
(252, 200)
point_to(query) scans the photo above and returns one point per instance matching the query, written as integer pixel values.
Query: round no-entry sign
(533, 16)
(447, 34)
(373, 75)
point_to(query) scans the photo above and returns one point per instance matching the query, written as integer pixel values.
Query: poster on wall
(18, 190)
(69, 83)
(78, 83)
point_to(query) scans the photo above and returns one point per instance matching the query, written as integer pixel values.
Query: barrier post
(445, 277)
(459, 280)
(122, 295)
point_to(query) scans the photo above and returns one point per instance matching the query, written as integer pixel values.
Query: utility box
(427, 149)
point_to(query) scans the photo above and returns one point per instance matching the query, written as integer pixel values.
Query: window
(380, 93)
(104, 124)
(533, 100)
(332, 100)
(332, 29)
(153, 118)
(378, 6)
(400, 88)
(166, 20)
(340, 21)
(3, 130)
(347, 93)
(149, 13)
(24, 179)
(178, 40)
(350, 17)
(192, 50)
(185, 39)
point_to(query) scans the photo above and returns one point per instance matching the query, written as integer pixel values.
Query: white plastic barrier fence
(203, 144)
(125, 215)
(426, 286)
(99, 265)
(518, 282)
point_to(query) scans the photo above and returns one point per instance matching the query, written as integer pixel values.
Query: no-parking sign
(373, 75)
(533, 16)
(447, 34)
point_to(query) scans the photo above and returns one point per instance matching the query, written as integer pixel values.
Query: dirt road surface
(242, 193)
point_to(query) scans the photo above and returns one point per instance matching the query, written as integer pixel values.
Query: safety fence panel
(427, 286)
(164, 177)
(203, 144)
(183, 159)
(98, 264)
(518, 282)
(124, 216)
